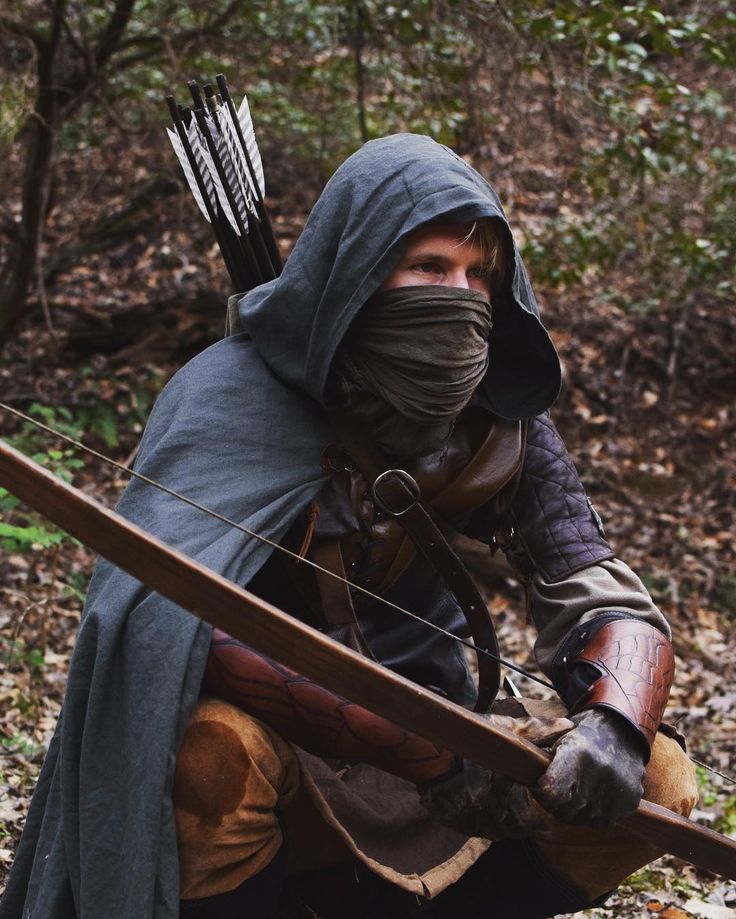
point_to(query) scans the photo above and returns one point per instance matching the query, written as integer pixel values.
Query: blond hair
(484, 233)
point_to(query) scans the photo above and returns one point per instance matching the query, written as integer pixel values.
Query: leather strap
(398, 495)
(480, 462)
(337, 604)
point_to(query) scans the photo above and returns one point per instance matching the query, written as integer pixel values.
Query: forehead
(440, 237)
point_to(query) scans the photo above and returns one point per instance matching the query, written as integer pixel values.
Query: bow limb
(263, 626)
(276, 634)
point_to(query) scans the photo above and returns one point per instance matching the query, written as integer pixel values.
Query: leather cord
(337, 604)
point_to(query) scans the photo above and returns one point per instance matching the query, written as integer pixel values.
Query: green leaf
(31, 536)
(635, 49)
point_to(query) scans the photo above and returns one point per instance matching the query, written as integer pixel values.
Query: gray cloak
(240, 429)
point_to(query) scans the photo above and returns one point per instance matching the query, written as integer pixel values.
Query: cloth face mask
(423, 350)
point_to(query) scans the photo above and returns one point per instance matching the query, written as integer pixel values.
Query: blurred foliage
(22, 530)
(632, 101)
(106, 423)
(29, 531)
(660, 181)
(727, 822)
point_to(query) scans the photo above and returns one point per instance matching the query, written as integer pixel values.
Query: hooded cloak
(240, 429)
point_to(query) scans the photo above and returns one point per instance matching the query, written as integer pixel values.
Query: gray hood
(354, 237)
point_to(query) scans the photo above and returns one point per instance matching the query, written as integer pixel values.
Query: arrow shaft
(230, 259)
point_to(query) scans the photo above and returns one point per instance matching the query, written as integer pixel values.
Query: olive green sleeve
(605, 587)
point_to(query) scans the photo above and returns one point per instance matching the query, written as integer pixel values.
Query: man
(402, 334)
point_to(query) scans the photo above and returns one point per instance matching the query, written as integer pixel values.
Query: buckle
(409, 484)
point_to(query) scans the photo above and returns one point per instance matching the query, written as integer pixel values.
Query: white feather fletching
(205, 162)
(249, 135)
(236, 153)
(187, 169)
(218, 131)
(199, 150)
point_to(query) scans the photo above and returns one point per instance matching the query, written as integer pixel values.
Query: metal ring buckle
(406, 480)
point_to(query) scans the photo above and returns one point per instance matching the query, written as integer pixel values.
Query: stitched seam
(548, 524)
(563, 458)
(565, 553)
(569, 489)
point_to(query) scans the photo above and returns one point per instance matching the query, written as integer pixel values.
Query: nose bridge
(459, 277)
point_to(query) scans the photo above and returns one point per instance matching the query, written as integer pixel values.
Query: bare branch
(21, 30)
(113, 32)
(140, 41)
(222, 18)
(155, 43)
(81, 50)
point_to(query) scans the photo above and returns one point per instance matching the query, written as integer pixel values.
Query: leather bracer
(620, 662)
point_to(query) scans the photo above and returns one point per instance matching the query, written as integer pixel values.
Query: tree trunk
(65, 75)
(41, 132)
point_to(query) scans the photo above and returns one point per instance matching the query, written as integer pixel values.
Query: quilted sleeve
(554, 523)
(557, 544)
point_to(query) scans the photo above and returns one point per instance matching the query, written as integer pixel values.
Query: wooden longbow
(272, 632)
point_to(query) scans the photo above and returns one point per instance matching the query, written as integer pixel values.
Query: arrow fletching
(236, 153)
(207, 168)
(216, 147)
(187, 169)
(227, 157)
(254, 154)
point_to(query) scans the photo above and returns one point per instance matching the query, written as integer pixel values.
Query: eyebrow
(429, 255)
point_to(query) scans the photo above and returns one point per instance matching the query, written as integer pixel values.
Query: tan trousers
(235, 777)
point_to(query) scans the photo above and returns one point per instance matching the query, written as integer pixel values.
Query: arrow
(272, 632)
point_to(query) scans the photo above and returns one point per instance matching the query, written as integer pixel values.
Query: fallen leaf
(709, 910)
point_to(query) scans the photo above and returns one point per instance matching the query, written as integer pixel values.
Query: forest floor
(652, 430)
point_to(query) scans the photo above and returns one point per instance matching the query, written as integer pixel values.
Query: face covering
(419, 352)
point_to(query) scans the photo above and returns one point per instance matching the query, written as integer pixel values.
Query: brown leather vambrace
(620, 662)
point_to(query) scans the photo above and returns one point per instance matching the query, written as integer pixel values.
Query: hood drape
(351, 242)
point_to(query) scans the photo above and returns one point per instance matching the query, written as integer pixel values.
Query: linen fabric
(233, 832)
(233, 773)
(423, 350)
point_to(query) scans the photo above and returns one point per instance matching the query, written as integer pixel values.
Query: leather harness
(372, 517)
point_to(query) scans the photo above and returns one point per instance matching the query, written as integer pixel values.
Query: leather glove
(595, 777)
(478, 802)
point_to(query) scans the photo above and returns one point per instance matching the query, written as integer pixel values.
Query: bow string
(274, 545)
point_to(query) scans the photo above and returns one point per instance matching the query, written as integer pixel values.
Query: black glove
(596, 775)
(478, 802)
